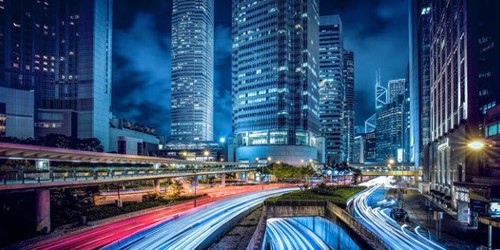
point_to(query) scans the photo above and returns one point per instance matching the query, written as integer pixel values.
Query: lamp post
(195, 184)
(206, 153)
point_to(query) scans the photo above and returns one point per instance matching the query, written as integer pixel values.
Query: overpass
(384, 169)
(75, 168)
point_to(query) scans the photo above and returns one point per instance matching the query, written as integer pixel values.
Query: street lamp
(261, 172)
(476, 145)
(391, 161)
(206, 153)
(195, 184)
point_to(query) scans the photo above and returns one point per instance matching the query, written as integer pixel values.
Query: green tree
(176, 190)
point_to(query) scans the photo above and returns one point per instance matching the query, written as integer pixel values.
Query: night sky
(376, 30)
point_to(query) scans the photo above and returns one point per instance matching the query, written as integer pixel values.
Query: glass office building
(332, 88)
(275, 71)
(61, 50)
(192, 83)
(419, 21)
(349, 102)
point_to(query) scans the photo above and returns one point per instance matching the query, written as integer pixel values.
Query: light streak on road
(192, 230)
(106, 233)
(426, 239)
(284, 233)
(376, 219)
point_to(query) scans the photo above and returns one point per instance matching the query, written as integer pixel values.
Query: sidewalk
(454, 234)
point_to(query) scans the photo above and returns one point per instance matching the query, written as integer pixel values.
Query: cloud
(141, 73)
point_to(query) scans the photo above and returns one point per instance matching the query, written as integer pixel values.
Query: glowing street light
(269, 158)
(206, 153)
(391, 161)
(476, 145)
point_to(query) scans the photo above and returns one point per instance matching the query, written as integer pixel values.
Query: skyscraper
(380, 91)
(275, 79)
(349, 101)
(389, 133)
(61, 50)
(359, 148)
(192, 70)
(396, 88)
(333, 122)
(419, 79)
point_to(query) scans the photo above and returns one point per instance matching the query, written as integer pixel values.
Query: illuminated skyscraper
(192, 83)
(61, 50)
(464, 59)
(349, 101)
(380, 91)
(275, 79)
(332, 88)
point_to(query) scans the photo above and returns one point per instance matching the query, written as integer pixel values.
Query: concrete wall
(360, 235)
(294, 211)
(331, 233)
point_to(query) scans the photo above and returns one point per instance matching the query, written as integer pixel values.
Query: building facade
(464, 70)
(61, 50)
(349, 101)
(371, 147)
(194, 151)
(275, 76)
(359, 149)
(419, 82)
(192, 76)
(131, 138)
(389, 132)
(333, 119)
(396, 88)
(17, 113)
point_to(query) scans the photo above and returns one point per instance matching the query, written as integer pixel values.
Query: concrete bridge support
(194, 181)
(223, 180)
(156, 185)
(43, 210)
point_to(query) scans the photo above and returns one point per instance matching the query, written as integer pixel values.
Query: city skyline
(383, 29)
(238, 124)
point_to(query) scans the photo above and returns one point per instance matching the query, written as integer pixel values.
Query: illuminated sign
(400, 154)
(495, 209)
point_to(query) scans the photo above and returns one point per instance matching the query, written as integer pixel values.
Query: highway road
(285, 233)
(194, 229)
(106, 233)
(378, 221)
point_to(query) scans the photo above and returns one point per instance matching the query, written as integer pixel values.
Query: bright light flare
(476, 145)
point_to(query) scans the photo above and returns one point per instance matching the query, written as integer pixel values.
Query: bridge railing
(116, 173)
